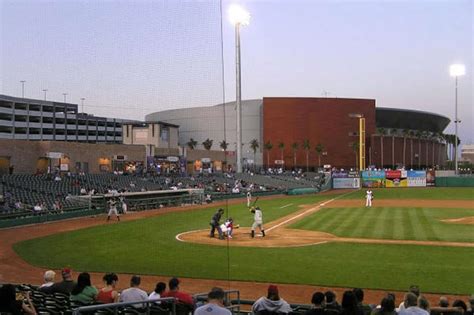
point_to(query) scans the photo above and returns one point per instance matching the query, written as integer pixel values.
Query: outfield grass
(421, 224)
(149, 246)
(435, 193)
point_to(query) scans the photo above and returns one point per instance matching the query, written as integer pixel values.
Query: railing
(114, 307)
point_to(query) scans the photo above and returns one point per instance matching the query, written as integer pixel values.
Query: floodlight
(238, 15)
(457, 70)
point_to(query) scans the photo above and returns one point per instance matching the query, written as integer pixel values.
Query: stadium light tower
(456, 70)
(238, 17)
(45, 90)
(22, 88)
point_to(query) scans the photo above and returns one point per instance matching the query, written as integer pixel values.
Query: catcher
(228, 227)
(257, 221)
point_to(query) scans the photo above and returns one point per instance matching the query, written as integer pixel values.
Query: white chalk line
(282, 207)
(178, 237)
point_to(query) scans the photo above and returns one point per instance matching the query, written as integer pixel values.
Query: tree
(224, 145)
(294, 147)
(281, 146)
(268, 146)
(254, 146)
(319, 151)
(412, 135)
(405, 133)
(419, 135)
(355, 148)
(382, 132)
(392, 133)
(426, 137)
(207, 144)
(191, 144)
(307, 147)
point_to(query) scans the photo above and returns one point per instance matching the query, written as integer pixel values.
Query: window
(164, 134)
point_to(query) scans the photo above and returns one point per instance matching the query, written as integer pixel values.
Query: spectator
(134, 293)
(271, 303)
(423, 303)
(183, 298)
(387, 306)
(331, 303)
(318, 304)
(10, 304)
(349, 304)
(413, 289)
(359, 294)
(410, 306)
(215, 304)
(108, 294)
(65, 286)
(443, 302)
(159, 289)
(83, 291)
(461, 305)
(48, 279)
(470, 310)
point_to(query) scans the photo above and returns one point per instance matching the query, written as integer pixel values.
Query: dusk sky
(130, 58)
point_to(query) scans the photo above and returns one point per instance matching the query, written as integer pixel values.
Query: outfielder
(257, 221)
(368, 198)
(249, 199)
(113, 209)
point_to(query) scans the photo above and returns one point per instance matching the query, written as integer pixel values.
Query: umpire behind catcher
(215, 224)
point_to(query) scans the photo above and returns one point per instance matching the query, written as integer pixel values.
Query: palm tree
(281, 146)
(392, 133)
(254, 146)
(412, 135)
(207, 144)
(319, 151)
(191, 144)
(426, 137)
(268, 146)
(294, 147)
(381, 132)
(419, 135)
(224, 145)
(307, 147)
(355, 148)
(405, 133)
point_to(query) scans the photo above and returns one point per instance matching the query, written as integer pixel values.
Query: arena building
(394, 137)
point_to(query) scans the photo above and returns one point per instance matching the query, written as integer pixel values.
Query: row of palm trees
(255, 145)
(433, 137)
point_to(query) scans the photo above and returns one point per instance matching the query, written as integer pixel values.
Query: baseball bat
(253, 205)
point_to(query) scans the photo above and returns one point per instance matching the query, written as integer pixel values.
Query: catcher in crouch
(257, 220)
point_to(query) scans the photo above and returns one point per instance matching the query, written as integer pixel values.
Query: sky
(130, 58)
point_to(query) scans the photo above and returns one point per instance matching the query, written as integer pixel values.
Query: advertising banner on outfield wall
(394, 179)
(373, 179)
(346, 183)
(430, 178)
(416, 179)
(340, 174)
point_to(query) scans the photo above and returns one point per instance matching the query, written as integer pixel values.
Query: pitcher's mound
(275, 238)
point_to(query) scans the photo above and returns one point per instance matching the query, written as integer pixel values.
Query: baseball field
(419, 236)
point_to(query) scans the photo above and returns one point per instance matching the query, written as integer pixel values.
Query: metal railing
(114, 307)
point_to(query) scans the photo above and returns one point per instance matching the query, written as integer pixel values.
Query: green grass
(149, 246)
(435, 193)
(421, 224)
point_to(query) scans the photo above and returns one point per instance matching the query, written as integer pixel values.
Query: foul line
(290, 204)
(309, 210)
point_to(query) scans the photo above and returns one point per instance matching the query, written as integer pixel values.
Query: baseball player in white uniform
(368, 198)
(249, 198)
(257, 221)
(113, 209)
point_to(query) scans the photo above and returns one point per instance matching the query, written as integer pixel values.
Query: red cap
(273, 289)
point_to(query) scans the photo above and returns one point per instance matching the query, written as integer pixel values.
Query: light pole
(45, 90)
(22, 88)
(456, 70)
(82, 104)
(64, 94)
(239, 17)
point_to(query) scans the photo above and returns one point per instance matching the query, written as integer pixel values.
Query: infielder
(257, 221)
(215, 225)
(113, 209)
(368, 198)
(249, 198)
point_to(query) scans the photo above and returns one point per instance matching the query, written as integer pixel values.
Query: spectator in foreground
(460, 305)
(349, 304)
(215, 304)
(359, 294)
(470, 310)
(443, 302)
(84, 292)
(271, 303)
(423, 303)
(158, 292)
(108, 294)
(318, 304)
(183, 298)
(48, 279)
(10, 304)
(331, 303)
(134, 293)
(387, 306)
(413, 289)
(65, 286)
(411, 308)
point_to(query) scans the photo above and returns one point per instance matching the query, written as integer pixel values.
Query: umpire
(215, 224)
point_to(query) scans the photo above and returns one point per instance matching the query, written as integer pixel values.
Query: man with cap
(183, 298)
(215, 304)
(65, 286)
(257, 221)
(215, 224)
(271, 303)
